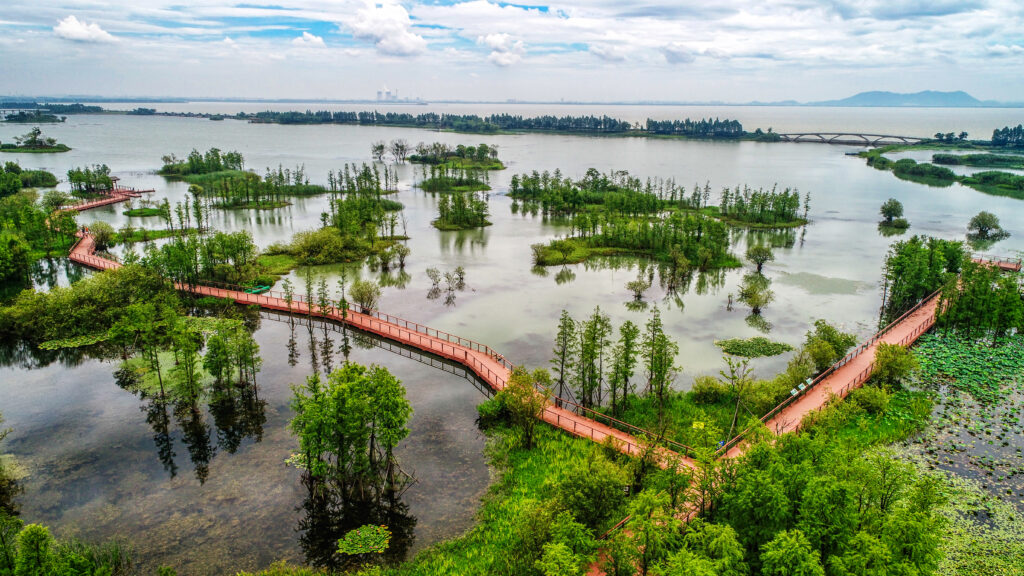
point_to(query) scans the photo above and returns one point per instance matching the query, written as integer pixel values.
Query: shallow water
(91, 454)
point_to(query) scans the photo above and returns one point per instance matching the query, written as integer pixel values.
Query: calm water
(90, 452)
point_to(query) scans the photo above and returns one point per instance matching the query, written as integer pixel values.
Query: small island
(461, 211)
(34, 117)
(482, 157)
(444, 179)
(34, 142)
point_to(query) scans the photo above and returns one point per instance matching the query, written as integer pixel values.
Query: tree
(15, 261)
(891, 208)
(526, 395)
(983, 225)
(790, 554)
(755, 291)
(399, 149)
(558, 560)
(365, 294)
(9, 529)
(638, 287)
(565, 351)
(893, 363)
(659, 354)
(653, 529)
(35, 555)
(759, 254)
(591, 490)
(739, 381)
(54, 200)
(377, 150)
(103, 235)
(624, 360)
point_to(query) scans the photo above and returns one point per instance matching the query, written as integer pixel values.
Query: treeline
(461, 211)
(444, 178)
(703, 128)
(916, 268)
(985, 160)
(13, 178)
(439, 153)
(1008, 137)
(193, 259)
(76, 108)
(685, 241)
(617, 192)
(202, 163)
(986, 302)
(29, 230)
(771, 207)
(239, 189)
(90, 180)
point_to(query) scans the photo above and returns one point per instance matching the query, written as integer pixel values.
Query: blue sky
(596, 50)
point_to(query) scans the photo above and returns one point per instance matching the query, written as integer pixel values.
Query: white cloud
(607, 52)
(676, 53)
(71, 28)
(387, 26)
(1004, 50)
(505, 49)
(308, 40)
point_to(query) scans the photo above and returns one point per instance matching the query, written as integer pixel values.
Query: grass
(455, 227)
(144, 212)
(144, 235)
(441, 185)
(991, 182)
(488, 164)
(981, 160)
(277, 265)
(681, 412)
(581, 252)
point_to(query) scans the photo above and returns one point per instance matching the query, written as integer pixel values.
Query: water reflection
(459, 241)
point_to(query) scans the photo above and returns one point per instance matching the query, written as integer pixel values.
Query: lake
(89, 446)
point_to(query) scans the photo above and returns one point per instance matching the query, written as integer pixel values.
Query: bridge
(849, 138)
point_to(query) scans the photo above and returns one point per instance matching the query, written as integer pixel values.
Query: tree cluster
(763, 206)
(703, 128)
(986, 302)
(461, 211)
(914, 269)
(90, 180)
(213, 160)
(1009, 137)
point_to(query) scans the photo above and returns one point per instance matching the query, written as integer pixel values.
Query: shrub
(708, 390)
(365, 294)
(493, 411)
(592, 491)
(873, 400)
(893, 363)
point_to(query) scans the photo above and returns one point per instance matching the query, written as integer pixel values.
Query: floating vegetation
(755, 347)
(981, 368)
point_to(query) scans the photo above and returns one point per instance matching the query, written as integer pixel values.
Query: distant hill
(928, 98)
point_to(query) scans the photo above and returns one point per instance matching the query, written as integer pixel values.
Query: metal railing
(1013, 263)
(859, 378)
(435, 341)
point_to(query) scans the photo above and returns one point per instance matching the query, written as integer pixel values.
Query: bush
(893, 363)
(493, 411)
(708, 390)
(837, 344)
(873, 400)
(365, 294)
(752, 347)
(326, 246)
(592, 491)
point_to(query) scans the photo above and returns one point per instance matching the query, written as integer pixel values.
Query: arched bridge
(849, 138)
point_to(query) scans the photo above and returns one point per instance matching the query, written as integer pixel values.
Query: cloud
(607, 52)
(505, 49)
(308, 40)
(676, 53)
(387, 26)
(71, 28)
(1004, 50)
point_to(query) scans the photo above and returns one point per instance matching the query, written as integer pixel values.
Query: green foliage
(366, 294)
(759, 254)
(198, 163)
(893, 364)
(790, 554)
(916, 268)
(909, 169)
(985, 302)
(1012, 161)
(997, 183)
(891, 209)
(762, 207)
(191, 258)
(526, 395)
(14, 256)
(89, 181)
(591, 491)
(755, 347)
(103, 234)
(369, 539)
(342, 422)
(461, 210)
(985, 225)
(755, 291)
(979, 368)
(826, 344)
(483, 156)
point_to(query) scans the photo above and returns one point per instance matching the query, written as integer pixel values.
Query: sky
(577, 50)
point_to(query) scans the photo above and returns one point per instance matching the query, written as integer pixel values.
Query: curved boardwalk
(849, 373)
(487, 364)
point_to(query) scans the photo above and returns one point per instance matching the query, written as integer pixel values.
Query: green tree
(103, 234)
(893, 363)
(35, 554)
(984, 225)
(759, 254)
(659, 354)
(526, 395)
(891, 208)
(565, 351)
(624, 361)
(15, 260)
(366, 294)
(592, 491)
(653, 529)
(790, 554)
(755, 291)
(863, 555)
(9, 529)
(558, 560)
